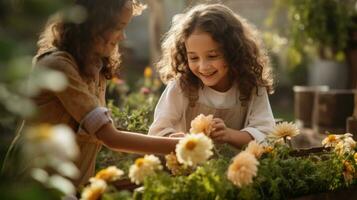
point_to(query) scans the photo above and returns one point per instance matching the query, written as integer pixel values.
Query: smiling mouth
(208, 74)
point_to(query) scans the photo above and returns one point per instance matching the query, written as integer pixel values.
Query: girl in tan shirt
(87, 53)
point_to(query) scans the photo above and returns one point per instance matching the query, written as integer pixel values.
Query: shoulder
(259, 91)
(57, 60)
(174, 86)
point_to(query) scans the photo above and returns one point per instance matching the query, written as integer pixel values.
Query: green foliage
(122, 160)
(319, 26)
(122, 195)
(134, 113)
(207, 182)
(280, 176)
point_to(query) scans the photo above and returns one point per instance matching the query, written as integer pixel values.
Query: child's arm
(169, 111)
(134, 142)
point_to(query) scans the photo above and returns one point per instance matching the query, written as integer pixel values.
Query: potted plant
(320, 30)
(324, 32)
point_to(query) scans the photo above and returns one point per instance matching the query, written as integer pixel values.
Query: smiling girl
(214, 65)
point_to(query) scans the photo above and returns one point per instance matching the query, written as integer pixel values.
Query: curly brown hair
(247, 60)
(77, 37)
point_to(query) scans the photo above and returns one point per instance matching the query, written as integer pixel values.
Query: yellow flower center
(103, 174)
(42, 132)
(95, 194)
(139, 162)
(190, 145)
(331, 138)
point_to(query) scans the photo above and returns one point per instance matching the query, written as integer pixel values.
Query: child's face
(206, 61)
(111, 38)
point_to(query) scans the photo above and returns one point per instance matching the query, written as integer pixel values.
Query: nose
(204, 65)
(121, 36)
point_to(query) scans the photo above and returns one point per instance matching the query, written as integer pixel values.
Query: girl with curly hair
(87, 53)
(215, 65)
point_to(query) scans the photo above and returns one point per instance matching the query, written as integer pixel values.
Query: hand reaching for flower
(221, 133)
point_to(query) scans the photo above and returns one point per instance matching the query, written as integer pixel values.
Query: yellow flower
(330, 141)
(355, 157)
(345, 144)
(148, 72)
(348, 171)
(268, 149)
(254, 148)
(285, 130)
(144, 167)
(111, 173)
(343, 147)
(117, 80)
(173, 165)
(95, 190)
(202, 124)
(194, 149)
(243, 169)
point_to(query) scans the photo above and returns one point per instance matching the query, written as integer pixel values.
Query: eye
(193, 58)
(212, 56)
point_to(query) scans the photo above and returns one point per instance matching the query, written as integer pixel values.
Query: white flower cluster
(46, 146)
(98, 184)
(342, 144)
(144, 167)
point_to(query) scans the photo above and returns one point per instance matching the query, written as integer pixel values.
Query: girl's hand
(220, 132)
(178, 134)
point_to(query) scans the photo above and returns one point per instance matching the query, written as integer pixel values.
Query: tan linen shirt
(82, 95)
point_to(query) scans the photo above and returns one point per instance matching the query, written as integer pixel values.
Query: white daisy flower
(144, 167)
(58, 141)
(194, 149)
(285, 130)
(95, 190)
(111, 173)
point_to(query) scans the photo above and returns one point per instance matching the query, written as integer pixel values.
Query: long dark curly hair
(77, 37)
(247, 60)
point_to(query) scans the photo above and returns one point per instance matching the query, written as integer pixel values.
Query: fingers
(218, 120)
(218, 124)
(217, 134)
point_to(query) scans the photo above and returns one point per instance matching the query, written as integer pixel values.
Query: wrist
(230, 135)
